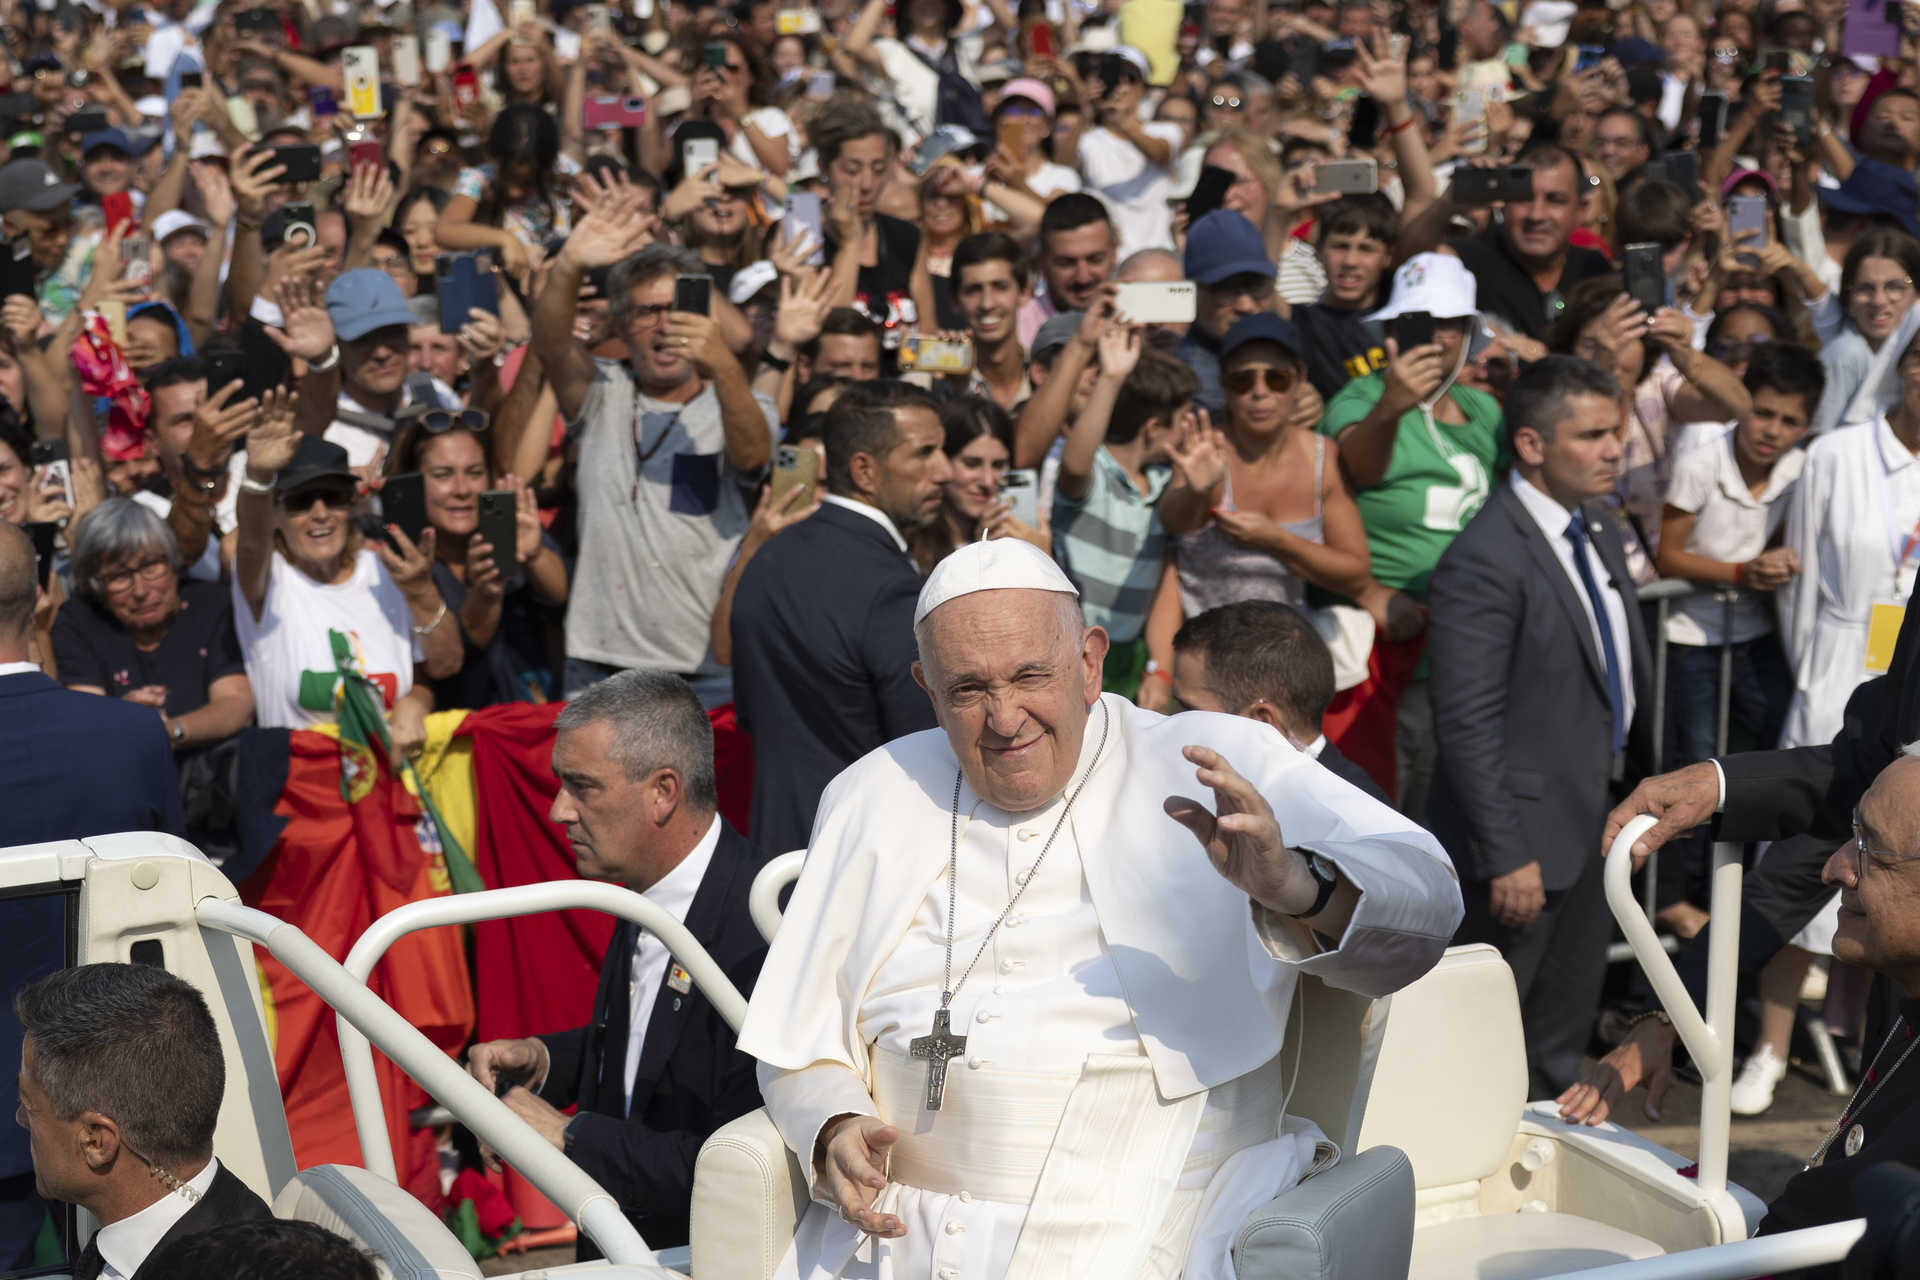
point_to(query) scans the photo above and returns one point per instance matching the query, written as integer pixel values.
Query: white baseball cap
(176, 220)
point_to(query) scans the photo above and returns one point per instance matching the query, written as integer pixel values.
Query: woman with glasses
(1877, 289)
(1257, 508)
(506, 602)
(310, 598)
(135, 631)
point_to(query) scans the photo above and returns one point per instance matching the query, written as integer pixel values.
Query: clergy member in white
(1013, 1022)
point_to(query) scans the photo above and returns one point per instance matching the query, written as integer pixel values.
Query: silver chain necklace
(1849, 1112)
(940, 1044)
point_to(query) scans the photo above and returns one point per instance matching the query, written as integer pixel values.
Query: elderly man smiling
(1009, 982)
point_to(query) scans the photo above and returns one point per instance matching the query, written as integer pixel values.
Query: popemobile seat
(1505, 1189)
(1353, 1221)
(405, 1238)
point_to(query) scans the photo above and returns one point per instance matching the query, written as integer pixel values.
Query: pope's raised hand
(1241, 836)
(852, 1174)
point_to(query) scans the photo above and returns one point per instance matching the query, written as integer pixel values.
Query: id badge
(1883, 630)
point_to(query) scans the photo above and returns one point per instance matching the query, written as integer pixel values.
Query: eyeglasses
(439, 147)
(302, 499)
(1882, 857)
(259, 86)
(1867, 291)
(1226, 103)
(1279, 381)
(148, 572)
(1735, 350)
(436, 421)
(645, 317)
(1727, 53)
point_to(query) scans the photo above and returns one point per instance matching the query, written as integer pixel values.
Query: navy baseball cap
(1223, 245)
(1876, 187)
(1262, 326)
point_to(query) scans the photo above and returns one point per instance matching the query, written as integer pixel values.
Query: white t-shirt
(1135, 191)
(1730, 524)
(771, 121)
(289, 645)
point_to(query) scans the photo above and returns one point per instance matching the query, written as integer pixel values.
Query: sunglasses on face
(436, 421)
(1279, 381)
(332, 495)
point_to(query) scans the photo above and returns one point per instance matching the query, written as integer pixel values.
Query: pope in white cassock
(1013, 1023)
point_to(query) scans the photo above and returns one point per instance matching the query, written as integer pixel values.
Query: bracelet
(1392, 129)
(1657, 1015)
(247, 224)
(773, 361)
(431, 627)
(1147, 675)
(1740, 575)
(333, 358)
(249, 485)
(202, 473)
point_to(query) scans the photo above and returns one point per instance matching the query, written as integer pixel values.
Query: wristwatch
(176, 731)
(1326, 875)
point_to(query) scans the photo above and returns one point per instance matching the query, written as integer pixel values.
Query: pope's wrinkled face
(1012, 675)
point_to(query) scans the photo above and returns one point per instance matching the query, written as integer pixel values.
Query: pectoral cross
(936, 1047)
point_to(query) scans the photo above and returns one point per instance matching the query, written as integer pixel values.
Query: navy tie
(1616, 695)
(89, 1264)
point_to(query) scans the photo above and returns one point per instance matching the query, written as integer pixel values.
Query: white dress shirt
(874, 514)
(1553, 520)
(124, 1245)
(674, 891)
(17, 668)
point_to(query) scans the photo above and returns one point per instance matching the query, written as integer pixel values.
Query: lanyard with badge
(1884, 619)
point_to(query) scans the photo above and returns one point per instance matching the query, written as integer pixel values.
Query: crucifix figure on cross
(937, 1047)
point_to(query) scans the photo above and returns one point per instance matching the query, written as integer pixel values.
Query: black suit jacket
(1519, 694)
(823, 654)
(690, 1080)
(79, 764)
(227, 1200)
(1772, 795)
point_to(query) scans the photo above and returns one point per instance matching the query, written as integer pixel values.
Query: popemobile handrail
(763, 899)
(592, 1209)
(363, 1086)
(1710, 1038)
(1744, 1259)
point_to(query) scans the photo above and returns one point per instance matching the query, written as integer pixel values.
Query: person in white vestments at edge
(1011, 1016)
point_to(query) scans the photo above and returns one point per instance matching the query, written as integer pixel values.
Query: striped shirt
(1111, 544)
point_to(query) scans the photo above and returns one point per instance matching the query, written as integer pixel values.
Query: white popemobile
(1454, 1174)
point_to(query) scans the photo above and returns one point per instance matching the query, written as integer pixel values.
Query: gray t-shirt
(661, 512)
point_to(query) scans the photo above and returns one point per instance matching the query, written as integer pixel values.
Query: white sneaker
(1753, 1088)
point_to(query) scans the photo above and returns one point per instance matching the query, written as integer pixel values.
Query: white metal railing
(763, 899)
(1744, 1259)
(363, 1086)
(595, 1212)
(1710, 1038)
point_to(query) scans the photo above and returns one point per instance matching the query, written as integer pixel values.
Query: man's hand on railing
(1681, 800)
(1645, 1056)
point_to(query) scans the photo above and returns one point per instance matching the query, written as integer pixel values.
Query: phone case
(1020, 490)
(936, 355)
(405, 52)
(499, 527)
(437, 53)
(793, 468)
(1155, 302)
(693, 294)
(361, 65)
(403, 501)
(454, 278)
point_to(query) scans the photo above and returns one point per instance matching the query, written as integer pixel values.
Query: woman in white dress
(1855, 527)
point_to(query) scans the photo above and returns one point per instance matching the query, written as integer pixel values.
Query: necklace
(1856, 1137)
(940, 1044)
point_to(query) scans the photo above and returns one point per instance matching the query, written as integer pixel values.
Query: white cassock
(1118, 1109)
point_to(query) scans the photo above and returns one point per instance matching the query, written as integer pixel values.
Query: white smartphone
(437, 51)
(522, 11)
(696, 154)
(1020, 490)
(361, 65)
(1156, 302)
(406, 61)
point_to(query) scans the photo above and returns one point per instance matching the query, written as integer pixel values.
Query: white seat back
(404, 1237)
(1335, 1037)
(1450, 1078)
(748, 1195)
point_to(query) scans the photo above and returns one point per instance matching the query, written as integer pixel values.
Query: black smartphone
(224, 367)
(19, 106)
(1713, 119)
(454, 276)
(716, 55)
(1777, 60)
(1681, 168)
(17, 272)
(693, 294)
(43, 533)
(499, 527)
(81, 123)
(1796, 105)
(44, 453)
(301, 161)
(1363, 130)
(1446, 57)
(1512, 182)
(1412, 329)
(403, 501)
(1208, 192)
(1646, 276)
(193, 79)
(258, 22)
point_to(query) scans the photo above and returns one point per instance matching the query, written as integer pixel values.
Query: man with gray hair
(654, 1071)
(672, 449)
(121, 1077)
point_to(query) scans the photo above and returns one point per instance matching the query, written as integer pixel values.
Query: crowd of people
(1357, 363)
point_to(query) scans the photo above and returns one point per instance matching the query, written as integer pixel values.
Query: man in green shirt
(1420, 452)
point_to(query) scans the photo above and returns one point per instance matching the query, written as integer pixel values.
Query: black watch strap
(1325, 877)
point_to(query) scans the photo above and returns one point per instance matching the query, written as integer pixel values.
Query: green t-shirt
(1435, 481)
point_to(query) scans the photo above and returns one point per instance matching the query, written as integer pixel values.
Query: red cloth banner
(321, 878)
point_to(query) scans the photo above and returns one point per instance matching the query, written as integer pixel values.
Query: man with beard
(672, 447)
(1078, 251)
(822, 625)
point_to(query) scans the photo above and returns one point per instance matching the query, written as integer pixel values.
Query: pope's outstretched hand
(1242, 837)
(851, 1167)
